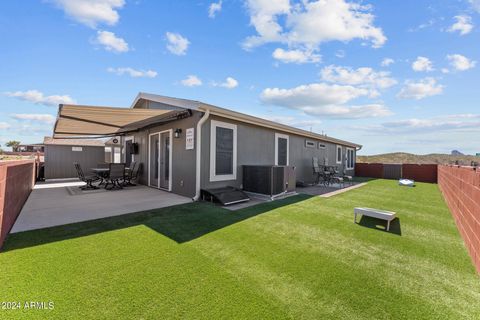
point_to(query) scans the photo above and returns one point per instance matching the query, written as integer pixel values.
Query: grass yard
(298, 258)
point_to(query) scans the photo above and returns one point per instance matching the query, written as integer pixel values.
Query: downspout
(199, 155)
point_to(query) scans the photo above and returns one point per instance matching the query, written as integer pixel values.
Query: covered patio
(58, 203)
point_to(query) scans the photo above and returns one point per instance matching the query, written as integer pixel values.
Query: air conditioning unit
(268, 179)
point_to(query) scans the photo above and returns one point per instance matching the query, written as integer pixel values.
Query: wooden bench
(375, 213)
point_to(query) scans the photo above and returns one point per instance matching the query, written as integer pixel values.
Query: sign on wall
(189, 139)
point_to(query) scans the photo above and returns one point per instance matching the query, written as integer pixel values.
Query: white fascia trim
(213, 141)
(284, 136)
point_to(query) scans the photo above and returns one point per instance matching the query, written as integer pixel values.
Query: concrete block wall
(460, 187)
(16, 182)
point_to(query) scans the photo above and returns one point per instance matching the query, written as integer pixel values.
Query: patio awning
(84, 121)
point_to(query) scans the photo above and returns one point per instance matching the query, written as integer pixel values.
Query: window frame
(311, 142)
(322, 146)
(282, 136)
(213, 152)
(353, 159)
(341, 154)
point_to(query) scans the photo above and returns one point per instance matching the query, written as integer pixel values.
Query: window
(223, 151)
(321, 146)
(281, 149)
(77, 149)
(339, 154)
(309, 144)
(350, 158)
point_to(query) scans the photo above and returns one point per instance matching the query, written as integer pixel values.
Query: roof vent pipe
(199, 154)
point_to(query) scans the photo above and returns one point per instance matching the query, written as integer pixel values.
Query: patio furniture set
(110, 175)
(328, 175)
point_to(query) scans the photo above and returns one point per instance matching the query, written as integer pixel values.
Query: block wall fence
(17, 179)
(460, 187)
(417, 172)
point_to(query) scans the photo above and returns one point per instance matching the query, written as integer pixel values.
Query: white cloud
(418, 90)
(307, 24)
(475, 4)
(177, 44)
(386, 62)
(111, 42)
(191, 81)
(229, 83)
(38, 97)
(362, 76)
(4, 125)
(92, 12)
(463, 25)
(312, 95)
(45, 118)
(422, 64)
(214, 8)
(321, 99)
(440, 123)
(133, 72)
(460, 63)
(340, 54)
(295, 56)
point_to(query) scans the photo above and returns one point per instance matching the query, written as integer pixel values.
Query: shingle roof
(74, 142)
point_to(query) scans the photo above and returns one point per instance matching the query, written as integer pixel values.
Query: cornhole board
(375, 213)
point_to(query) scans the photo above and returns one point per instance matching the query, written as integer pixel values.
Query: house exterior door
(160, 160)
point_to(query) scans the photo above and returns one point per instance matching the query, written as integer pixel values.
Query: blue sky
(390, 75)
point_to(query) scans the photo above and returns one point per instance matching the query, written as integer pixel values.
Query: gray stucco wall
(256, 145)
(59, 160)
(183, 161)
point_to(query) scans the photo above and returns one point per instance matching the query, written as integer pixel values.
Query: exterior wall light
(177, 132)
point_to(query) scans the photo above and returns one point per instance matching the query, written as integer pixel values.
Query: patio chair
(88, 179)
(116, 174)
(131, 174)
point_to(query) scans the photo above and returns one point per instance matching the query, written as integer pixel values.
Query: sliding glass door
(160, 160)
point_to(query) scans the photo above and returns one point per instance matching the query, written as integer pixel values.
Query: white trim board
(213, 142)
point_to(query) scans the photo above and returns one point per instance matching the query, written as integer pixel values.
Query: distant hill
(456, 153)
(401, 157)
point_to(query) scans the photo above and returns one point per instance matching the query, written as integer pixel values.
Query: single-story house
(34, 147)
(60, 154)
(185, 146)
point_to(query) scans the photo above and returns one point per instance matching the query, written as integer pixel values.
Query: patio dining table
(103, 173)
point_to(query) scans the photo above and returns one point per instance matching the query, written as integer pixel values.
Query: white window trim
(353, 158)
(322, 146)
(128, 138)
(311, 142)
(213, 142)
(283, 136)
(341, 154)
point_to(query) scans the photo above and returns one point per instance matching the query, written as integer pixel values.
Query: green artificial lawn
(297, 258)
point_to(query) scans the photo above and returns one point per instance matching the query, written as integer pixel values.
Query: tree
(13, 144)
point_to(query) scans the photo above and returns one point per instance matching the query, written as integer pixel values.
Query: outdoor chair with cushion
(115, 177)
(131, 174)
(88, 179)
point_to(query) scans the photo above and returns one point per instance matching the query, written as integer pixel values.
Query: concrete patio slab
(51, 204)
